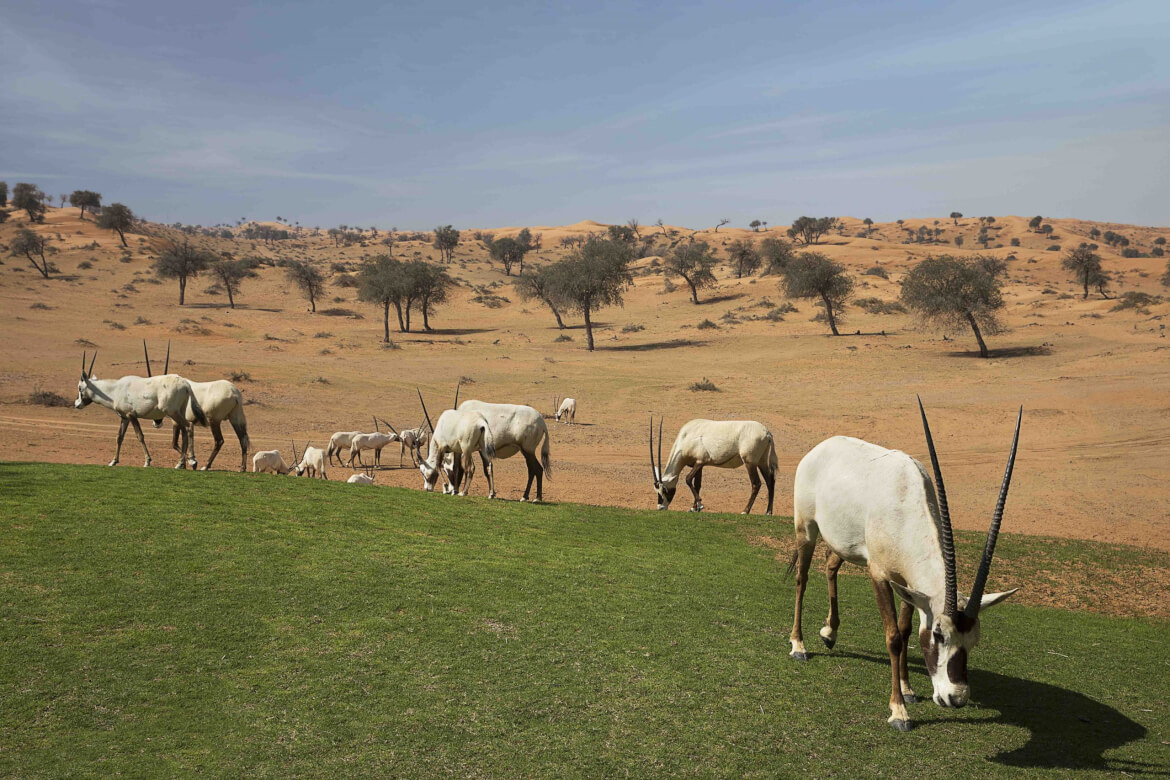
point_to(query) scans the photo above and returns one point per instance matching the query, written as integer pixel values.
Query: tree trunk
(122, 236)
(398, 310)
(978, 335)
(829, 312)
(408, 307)
(386, 322)
(426, 320)
(588, 330)
(231, 298)
(557, 314)
(182, 289)
(1086, 295)
(313, 301)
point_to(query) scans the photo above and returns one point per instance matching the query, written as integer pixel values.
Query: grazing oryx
(724, 444)
(220, 400)
(149, 398)
(369, 441)
(566, 410)
(338, 442)
(269, 461)
(413, 439)
(516, 428)
(312, 461)
(462, 433)
(878, 508)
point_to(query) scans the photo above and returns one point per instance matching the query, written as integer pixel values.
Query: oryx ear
(989, 600)
(919, 600)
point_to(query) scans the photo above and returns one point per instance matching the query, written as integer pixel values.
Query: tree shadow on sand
(722, 298)
(652, 345)
(1066, 729)
(1006, 352)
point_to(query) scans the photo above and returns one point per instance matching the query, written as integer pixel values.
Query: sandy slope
(1094, 383)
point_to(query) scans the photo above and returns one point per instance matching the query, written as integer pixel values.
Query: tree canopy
(776, 254)
(30, 198)
(118, 218)
(593, 276)
(33, 246)
(446, 239)
(1086, 267)
(85, 199)
(308, 280)
(182, 262)
(745, 258)
(808, 230)
(541, 284)
(814, 276)
(231, 273)
(695, 263)
(955, 292)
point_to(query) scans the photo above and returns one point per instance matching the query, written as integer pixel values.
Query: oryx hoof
(900, 725)
(829, 643)
(798, 656)
(205, 468)
(179, 465)
(909, 698)
(113, 462)
(523, 499)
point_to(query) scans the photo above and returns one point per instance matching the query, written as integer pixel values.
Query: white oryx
(148, 398)
(460, 433)
(269, 461)
(221, 401)
(338, 442)
(566, 410)
(369, 441)
(312, 461)
(724, 444)
(413, 439)
(878, 508)
(363, 478)
(516, 429)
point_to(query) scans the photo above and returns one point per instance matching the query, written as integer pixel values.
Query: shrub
(1053, 248)
(878, 306)
(240, 376)
(563, 337)
(39, 397)
(877, 270)
(84, 265)
(321, 380)
(116, 325)
(707, 325)
(338, 312)
(632, 328)
(705, 386)
(41, 306)
(322, 334)
(1129, 251)
(1015, 242)
(345, 280)
(142, 321)
(1138, 301)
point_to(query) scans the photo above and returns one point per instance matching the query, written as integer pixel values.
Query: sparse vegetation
(707, 325)
(703, 386)
(809, 230)
(1137, 301)
(878, 306)
(633, 328)
(814, 276)
(876, 270)
(239, 376)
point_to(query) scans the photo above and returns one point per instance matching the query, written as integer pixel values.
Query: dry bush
(39, 397)
(239, 376)
(633, 328)
(707, 325)
(878, 306)
(877, 270)
(705, 386)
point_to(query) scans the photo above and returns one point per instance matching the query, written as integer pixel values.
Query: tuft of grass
(41, 397)
(878, 306)
(321, 380)
(877, 270)
(705, 386)
(633, 328)
(391, 344)
(707, 325)
(563, 337)
(38, 306)
(239, 376)
(322, 334)
(1138, 301)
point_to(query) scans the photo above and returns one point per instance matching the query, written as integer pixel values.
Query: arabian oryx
(220, 400)
(369, 441)
(269, 461)
(338, 442)
(312, 461)
(413, 439)
(149, 398)
(724, 444)
(362, 478)
(878, 508)
(516, 428)
(566, 410)
(462, 433)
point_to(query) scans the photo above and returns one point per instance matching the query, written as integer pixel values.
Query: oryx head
(166, 370)
(557, 407)
(429, 472)
(84, 385)
(665, 489)
(948, 639)
(299, 465)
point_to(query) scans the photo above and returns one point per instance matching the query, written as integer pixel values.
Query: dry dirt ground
(1094, 383)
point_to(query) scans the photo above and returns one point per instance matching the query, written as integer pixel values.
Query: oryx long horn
(946, 536)
(424, 406)
(83, 356)
(457, 386)
(295, 458)
(375, 423)
(659, 448)
(167, 366)
(973, 603)
(147, 356)
(391, 427)
(91, 362)
(653, 468)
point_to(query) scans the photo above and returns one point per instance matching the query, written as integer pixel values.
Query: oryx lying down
(516, 429)
(462, 433)
(362, 478)
(221, 401)
(269, 461)
(878, 508)
(724, 444)
(147, 398)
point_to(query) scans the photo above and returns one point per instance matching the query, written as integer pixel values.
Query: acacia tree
(776, 254)
(231, 273)
(383, 280)
(1034, 223)
(695, 263)
(30, 198)
(431, 285)
(182, 262)
(446, 239)
(85, 199)
(808, 230)
(595, 275)
(868, 225)
(956, 216)
(118, 218)
(953, 292)
(541, 285)
(308, 280)
(28, 243)
(4, 194)
(1086, 267)
(722, 222)
(744, 258)
(1166, 276)
(813, 275)
(507, 252)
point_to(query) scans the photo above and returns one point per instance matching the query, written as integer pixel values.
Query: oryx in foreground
(566, 410)
(148, 398)
(724, 444)
(220, 401)
(462, 433)
(269, 461)
(878, 508)
(516, 428)
(312, 461)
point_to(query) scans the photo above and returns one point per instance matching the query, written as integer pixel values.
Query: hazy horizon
(537, 114)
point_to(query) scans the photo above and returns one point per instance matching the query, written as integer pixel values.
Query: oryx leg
(242, 435)
(829, 630)
(535, 471)
(899, 718)
(806, 542)
(905, 623)
(121, 435)
(754, 476)
(457, 471)
(141, 439)
(695, 483)
(217, 434)
(770, 483)
(489, 474)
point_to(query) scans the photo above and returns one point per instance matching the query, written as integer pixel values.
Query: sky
(412, 115)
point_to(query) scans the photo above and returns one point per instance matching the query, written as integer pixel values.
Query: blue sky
(492, 114)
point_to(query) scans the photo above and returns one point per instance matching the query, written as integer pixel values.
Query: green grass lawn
(169, 623)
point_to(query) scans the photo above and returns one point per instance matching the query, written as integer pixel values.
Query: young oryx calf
(147, 398)
(567, 410)
(338, 442)
(461, 433)
(312, 462)
(269, 461)
(724, 444)
(877, 508)
(369, 441)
